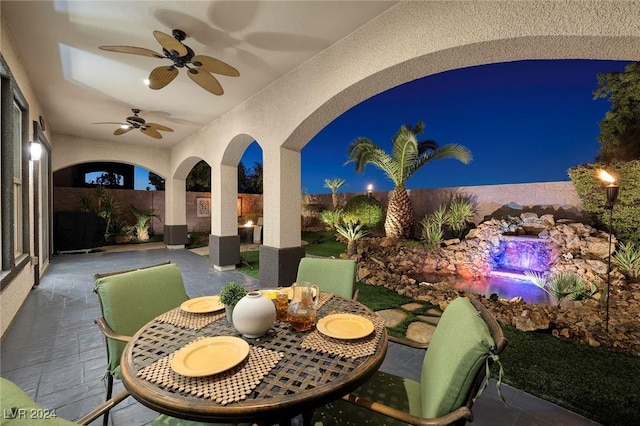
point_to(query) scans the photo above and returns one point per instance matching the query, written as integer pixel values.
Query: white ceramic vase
(254, 314)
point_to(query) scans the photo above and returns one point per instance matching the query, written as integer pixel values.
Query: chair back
(131, 299)
(337, 276)
(466, 340)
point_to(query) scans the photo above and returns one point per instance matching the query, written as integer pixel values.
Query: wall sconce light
(370, 190)
(35, 151)
(612, 195)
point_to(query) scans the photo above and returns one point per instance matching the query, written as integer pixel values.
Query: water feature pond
(505, 287)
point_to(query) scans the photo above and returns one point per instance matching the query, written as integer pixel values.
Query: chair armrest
(99, 411)
(109, 333)
(461, 413)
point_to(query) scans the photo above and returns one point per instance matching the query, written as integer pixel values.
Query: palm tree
(407, 157)
(334, 184)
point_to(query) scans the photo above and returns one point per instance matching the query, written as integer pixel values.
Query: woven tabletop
(301, 378)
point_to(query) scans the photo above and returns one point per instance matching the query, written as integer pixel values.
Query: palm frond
(363, 151)
(405, 150)
(455, 151)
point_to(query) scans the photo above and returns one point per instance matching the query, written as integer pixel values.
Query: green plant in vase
(230, 294)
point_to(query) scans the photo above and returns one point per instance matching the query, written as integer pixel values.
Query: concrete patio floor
(54, 351)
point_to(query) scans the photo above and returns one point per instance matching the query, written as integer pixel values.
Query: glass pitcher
(302, 308)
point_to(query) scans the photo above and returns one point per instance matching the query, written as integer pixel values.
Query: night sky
(525, 121)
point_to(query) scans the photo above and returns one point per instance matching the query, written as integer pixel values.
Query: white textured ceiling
(78, 84)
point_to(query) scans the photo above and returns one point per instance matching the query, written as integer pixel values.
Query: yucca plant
(460, 211)
(352, 231)
(334, 184)
(408, 155)
(627, 259)
(431, 228)
(142, 222)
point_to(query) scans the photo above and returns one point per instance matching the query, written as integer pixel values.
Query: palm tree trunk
(400, 217)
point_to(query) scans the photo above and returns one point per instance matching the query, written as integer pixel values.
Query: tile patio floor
(54, 351)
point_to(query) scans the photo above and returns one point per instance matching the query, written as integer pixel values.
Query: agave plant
(408, 155)
(460, 212)
(627, 259)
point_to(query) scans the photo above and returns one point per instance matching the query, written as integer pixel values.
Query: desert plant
(105, 206)
(352, 231)
(460, 212)
(408, 155)
(142, 222)
(571, 286)
(431, 228)
(364, 209)
(331, 217)
(627, 259)
(563, 285)
(334, 184)
(231, 293)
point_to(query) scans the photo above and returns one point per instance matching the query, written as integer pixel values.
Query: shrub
(460, 212)
(431, 228)
(569, 285)
(231, 293)
(363, 209)
(592, 194)
(627, 258)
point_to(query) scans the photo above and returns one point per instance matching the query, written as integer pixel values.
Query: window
(17, 180)
(14, 178)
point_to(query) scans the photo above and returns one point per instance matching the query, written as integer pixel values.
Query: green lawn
(601, 385)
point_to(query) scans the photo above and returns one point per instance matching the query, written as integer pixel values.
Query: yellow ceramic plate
(209, 356)
(345, 326)
(201, 305)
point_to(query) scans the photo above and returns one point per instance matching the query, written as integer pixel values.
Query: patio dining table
(287, 373)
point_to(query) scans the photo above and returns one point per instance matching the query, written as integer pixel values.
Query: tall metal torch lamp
(612, 196)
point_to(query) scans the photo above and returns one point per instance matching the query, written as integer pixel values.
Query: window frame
(12, 262)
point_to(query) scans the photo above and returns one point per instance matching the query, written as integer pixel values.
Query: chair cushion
(19, 409)
(458, 349)
(132, 299)
(337, 276)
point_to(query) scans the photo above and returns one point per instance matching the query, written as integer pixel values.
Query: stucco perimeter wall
(558, 198)
(68, 200)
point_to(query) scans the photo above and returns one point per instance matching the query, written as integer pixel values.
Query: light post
(369, 190)
(612, 194)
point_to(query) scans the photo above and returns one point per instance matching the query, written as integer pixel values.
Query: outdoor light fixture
(35, 151)
(370, 190)
(612, 195)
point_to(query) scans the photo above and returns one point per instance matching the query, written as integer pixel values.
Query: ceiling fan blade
(112, 122)
(170, 43)
(214, 65)
(133, 50)
(121, 131)
(150, 131)
(206, 81)
(161, 76)
(159, 127)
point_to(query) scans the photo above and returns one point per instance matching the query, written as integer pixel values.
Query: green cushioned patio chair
(466, 342)
(129, 300)
(337, 276)
(19, 409)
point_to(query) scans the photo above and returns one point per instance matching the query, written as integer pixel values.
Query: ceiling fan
(135, 122)
(199, 67)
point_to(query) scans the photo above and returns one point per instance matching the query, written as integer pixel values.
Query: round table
(306, 377)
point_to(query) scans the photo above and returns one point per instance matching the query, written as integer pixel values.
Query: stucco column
(281, 251)
(224, 242)
(175, 223)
